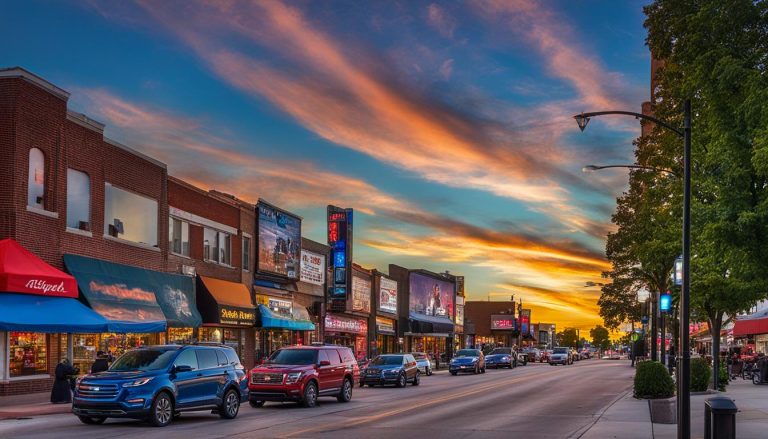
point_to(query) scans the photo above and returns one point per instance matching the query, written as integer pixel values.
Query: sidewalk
(31, 404)
(630, 418)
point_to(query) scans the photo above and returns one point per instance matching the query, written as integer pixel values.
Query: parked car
(467, 360)
(522, 358)
(304, 373)
(397, 369)
(158, 382)
(574, 355)
(585, 354)
(500, 357)
(545, 353)
(424, 363)
(560, 355)
(533, 354)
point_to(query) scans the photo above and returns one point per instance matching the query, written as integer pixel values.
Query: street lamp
(593, 168)
(684, 371)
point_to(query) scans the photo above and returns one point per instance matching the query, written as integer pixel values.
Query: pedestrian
(101, 364)
(62, 391)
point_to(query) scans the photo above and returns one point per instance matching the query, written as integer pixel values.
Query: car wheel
(230, 406)
(417, 379)
(346, 391)
(256, 404)
(429, 372)
(454, 373)
(401, 380)
(309, 398)
(92, 420)
(756, 378)
(162, 410)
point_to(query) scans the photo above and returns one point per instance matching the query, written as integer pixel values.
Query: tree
(600, 337)
(568, 337)
(715, 54)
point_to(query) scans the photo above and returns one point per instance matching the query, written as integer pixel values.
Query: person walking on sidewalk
(62, 392)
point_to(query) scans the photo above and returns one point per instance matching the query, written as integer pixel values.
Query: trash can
(720, 418)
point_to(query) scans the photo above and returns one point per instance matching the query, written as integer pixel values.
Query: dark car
(500, 357)
(302, 374)
(158, 382)
(397, 369)
(467, 360)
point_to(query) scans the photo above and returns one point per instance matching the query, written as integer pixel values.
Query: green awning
(131, 294)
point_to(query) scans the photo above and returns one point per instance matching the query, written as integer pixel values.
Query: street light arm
(591, 168)
(584, 117)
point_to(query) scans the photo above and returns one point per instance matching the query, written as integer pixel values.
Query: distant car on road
(585, 354)
(467, 360)
(500, 357)
(397, 369)
(560, 355)
(424, 363)
(533, 354)
(545, 353)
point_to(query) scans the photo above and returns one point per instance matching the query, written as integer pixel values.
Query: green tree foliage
(716, 54)
(700, 375)
(600, 337)
(568, 337)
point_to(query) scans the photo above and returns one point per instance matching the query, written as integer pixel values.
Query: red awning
(750, 327)
(21, 271)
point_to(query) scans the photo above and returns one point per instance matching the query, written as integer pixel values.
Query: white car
(424, 363)
(560, 355)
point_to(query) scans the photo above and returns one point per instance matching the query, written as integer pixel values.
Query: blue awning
(26, 312)
(125, 296)
(272, 320)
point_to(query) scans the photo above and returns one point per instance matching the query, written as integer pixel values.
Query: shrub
(723, 377)
(701, 374)
(653, 381)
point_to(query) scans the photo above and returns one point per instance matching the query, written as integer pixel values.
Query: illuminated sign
(503, 322)
(340, 241)
(343, 324)
(388, 295)
(233, 316)
(525, 320)
(312, 268)
(665, 301)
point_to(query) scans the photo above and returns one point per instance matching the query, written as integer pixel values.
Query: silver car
(424, 363)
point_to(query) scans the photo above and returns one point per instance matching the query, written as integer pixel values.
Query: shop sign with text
(388, 295)
(503, 322)
(229, 315)
(312, 268)
(343, 324)
(361, 294)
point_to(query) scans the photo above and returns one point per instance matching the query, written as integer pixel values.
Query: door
(410, 366)
(213, 377)
(186, 382)
(324, 371)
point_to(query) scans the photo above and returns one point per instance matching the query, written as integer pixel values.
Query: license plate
(463, 367)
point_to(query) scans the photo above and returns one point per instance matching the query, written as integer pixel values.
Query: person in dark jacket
(101, 364)
(61, 392)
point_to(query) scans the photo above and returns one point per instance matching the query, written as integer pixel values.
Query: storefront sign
(431, 296)
(312, 268)
(460, 285)
(279, 241)
(388, 295)
(229, 315)
(503, 322)
(525, 320)
(281, 307)
(361, 294)
(340, 241)
(343, 324)
(385, 325)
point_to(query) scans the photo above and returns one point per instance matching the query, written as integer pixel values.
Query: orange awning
(228, 293)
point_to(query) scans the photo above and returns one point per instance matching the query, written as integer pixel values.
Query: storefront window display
(28, 354)
(385, 344)
(346, 331)
(85, 346)
(181, 335)
(761, 343)
(231, 337)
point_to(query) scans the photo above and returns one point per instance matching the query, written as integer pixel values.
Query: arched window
(36, 186)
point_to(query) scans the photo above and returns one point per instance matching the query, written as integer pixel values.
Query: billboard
(503, 322)
(279, 241)
(459, 315)
(431, 296)
(361, 294)
(312, 267)
(388, 295)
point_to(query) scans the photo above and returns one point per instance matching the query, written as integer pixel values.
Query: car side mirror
(182, 368)
(324, 363)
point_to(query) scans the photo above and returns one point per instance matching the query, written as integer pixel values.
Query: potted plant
(652, 382)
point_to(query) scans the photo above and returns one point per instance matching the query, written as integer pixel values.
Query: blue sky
(446, 125)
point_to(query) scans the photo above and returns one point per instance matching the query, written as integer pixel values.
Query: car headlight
(505, 358)
(391, 371)
(293, 378)
(136, 383)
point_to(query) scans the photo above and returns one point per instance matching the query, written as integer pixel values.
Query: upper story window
(178, 236)
(217, 246)
(78, 200)
(246, 253)
(36, 179)
(130, 216)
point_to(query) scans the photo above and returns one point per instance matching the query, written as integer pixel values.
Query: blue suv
(156, 383)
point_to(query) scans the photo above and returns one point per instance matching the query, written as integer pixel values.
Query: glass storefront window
(131, 216)
(84, 348)
(180, 335)
(228, 336)
(28, 354)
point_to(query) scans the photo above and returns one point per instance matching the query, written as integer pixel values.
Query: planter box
(663, 411)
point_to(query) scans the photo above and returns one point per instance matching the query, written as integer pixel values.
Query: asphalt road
(535, 401)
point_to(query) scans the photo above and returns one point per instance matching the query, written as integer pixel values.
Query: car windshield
(387, 360)
(467, 353)
(298, 357)
(499, 351)
(144, 359)
(560, 351)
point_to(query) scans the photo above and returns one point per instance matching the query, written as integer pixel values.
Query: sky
(446, 126)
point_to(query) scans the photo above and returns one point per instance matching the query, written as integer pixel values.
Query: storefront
(385, 340)
(281, 323)
(754, 325)
(228, 315)
(159, 307)
(503, 332)
(386, 337)
(347, 331)
(431, 313)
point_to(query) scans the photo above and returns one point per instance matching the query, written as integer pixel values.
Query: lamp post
(684, 369)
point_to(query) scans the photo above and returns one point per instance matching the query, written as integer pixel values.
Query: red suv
(302, 373)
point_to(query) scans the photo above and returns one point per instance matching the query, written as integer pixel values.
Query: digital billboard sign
(279, 241)
(503, 322)
(431, 296)
(340, 241)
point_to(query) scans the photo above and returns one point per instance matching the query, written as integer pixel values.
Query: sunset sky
(445, 125)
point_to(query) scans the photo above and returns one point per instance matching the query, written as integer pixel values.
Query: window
(36, 179)
(187, 358)
(78, 200)
(206, 358)
(178, 235)
(217, 247)
(246, 253)
(333, 355)
(27, 351)
(130, 216)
